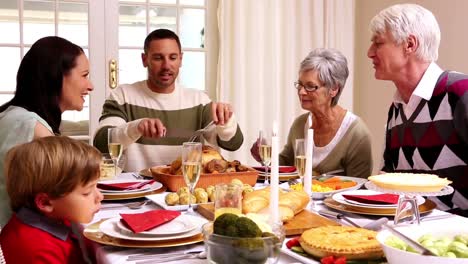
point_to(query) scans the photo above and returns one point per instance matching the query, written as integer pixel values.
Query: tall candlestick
(274, 177)
(308, 168)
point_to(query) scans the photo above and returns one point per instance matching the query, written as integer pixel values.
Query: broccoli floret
(231, 231)
(247, 228)
(225, 224)
(234, 226)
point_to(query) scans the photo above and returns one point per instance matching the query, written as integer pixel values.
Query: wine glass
(114, 146)
(191, 167)
(300, 158)
(264, 150)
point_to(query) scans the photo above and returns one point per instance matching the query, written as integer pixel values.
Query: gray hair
(331, 66)
(410, 19)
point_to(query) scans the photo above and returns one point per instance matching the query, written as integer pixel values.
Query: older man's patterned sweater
(434, 139)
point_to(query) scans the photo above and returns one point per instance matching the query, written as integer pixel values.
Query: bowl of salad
(447, 241)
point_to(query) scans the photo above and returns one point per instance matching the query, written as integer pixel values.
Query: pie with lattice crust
(347, 241)
(410, 182)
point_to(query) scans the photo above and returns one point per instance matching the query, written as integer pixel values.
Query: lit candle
(308, 168)
(274, 176)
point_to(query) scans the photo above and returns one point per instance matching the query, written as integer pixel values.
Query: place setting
(285, 173)
(370, 202)
(128, 189)
(150, 229)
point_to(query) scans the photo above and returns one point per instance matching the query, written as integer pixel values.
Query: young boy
(51, 182)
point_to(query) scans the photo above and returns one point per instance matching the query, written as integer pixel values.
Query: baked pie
(410, 182)
(347, 241)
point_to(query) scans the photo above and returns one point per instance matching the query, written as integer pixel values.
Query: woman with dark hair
(52, 78)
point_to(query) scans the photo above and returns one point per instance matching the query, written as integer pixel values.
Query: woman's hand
(254, 151)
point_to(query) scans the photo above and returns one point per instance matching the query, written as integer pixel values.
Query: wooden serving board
(303, 221)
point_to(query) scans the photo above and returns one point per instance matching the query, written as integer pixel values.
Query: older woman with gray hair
(342, 140)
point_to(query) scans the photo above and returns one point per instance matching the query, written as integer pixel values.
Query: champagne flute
(191, 167)
(300, 158)
(264, 149)
(114, 146)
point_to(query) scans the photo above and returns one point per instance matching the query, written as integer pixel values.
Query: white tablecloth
(115, 255)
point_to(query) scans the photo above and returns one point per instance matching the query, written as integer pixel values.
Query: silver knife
(415, 245)
(337, 216)
(179, 132)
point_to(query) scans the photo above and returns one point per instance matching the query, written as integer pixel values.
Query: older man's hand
(221, 112)
(151, 127)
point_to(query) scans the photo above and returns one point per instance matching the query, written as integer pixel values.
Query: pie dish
(347, 241)
(410, 182)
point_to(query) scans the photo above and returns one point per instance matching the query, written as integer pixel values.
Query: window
(24, 22)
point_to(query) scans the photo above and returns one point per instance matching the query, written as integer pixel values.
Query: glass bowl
(233, 250)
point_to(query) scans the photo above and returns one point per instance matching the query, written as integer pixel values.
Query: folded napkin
(282, 169)
(123, 185)
(385, 198)
(148, 220)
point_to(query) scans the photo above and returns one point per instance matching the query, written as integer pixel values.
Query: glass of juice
(228, 199)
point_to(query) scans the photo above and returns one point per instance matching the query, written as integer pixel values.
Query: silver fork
(137, 176)
(156, 259)
(197, 133)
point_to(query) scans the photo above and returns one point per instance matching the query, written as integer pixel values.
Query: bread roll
(255, 201)
(295, 200)
(285, 213)
(290, 202)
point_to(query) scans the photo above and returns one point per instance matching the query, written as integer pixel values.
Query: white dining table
(105, 254)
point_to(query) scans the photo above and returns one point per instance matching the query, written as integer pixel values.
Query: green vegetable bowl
(449, 242)
(236, 250)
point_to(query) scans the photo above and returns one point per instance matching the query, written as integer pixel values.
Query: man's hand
(151, 127)
(221, 112)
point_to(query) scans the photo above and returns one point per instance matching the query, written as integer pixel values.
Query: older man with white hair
(427, 126)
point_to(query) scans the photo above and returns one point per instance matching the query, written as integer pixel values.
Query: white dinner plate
(341, 199)
(261, 172)
(110, 228)
(302, 259)
(181, 224)
(147, 188)
(159, 199)
(143, 188)
(280, 174)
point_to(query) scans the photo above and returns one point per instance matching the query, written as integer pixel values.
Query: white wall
(372, 97)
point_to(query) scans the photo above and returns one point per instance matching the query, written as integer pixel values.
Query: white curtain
(261, 43)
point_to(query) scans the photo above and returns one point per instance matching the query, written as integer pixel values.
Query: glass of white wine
(300, 158)
(114, 146)
(191, 167)
(264, 150)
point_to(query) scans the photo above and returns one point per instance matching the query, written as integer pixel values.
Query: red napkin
(148, 220)
(385, 198)
(123, 185)
(282, 169)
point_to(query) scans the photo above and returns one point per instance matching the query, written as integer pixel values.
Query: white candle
(308, 168)
(274, 176)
